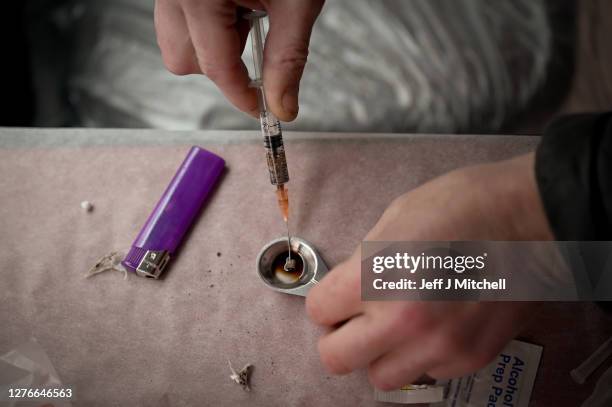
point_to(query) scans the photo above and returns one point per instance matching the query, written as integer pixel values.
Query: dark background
(35, 76)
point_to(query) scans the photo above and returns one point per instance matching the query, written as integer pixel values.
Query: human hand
(208, 37)
(398, 342)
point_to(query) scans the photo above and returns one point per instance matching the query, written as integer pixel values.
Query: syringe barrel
(270, 125)
(275, 150)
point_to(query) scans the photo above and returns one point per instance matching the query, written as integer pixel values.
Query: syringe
(270, 127)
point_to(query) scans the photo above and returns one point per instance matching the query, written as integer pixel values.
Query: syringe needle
(289, 262)
(283, 202)
(270, 128)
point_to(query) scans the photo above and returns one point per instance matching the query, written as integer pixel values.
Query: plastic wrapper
(375, 66)
(602, 394)
(28, 366)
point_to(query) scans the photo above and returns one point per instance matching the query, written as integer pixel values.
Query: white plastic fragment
(586, 368)
(242, 377)
(111, 261)
(87, 206)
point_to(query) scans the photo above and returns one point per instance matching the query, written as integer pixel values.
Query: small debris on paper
(243, 376)
(111, 261)
(87, 206)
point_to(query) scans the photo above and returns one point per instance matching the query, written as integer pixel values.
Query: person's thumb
(286, 51)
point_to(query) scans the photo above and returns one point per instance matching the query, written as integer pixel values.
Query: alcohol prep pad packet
(505, 382)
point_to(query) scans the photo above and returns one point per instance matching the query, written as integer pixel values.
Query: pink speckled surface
(138, 342)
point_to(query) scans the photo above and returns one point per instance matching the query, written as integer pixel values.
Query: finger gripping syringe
(270, 125)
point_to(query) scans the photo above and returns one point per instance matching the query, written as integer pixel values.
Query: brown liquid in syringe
(278, 267)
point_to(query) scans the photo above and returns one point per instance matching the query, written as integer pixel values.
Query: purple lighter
(164, 230)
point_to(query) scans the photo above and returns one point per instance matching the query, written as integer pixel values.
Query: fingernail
(290, 101)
